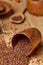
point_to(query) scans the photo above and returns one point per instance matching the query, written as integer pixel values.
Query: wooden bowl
(35, 7)
(4, 8)
(34, 38)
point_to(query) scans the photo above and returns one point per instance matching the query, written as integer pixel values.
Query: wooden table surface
(11, 29)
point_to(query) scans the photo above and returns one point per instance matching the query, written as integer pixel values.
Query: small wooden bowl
(17, 18)
(32, 34)
(4, 8)
(35, 7)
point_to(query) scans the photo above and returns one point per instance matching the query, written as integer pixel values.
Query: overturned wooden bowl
(35, 7)
(34, 38)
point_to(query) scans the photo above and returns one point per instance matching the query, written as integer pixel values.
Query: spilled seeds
(14, 56)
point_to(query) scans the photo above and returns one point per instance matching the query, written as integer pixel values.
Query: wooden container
(35, 7)
(4, 8)
(33, 35)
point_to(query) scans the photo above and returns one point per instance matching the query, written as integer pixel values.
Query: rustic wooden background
(11, 29)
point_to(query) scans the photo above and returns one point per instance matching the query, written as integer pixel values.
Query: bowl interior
(17, 38)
